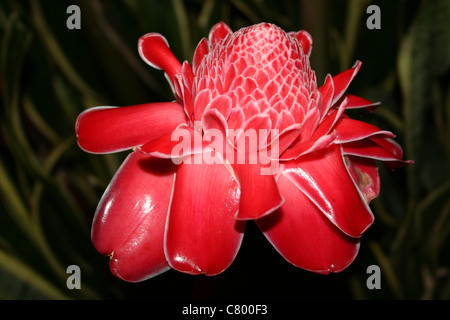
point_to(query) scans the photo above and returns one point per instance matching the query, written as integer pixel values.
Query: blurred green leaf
(90, 97)
(423, 58)
(17, 280)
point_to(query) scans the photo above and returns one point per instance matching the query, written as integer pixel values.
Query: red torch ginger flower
(250, 137)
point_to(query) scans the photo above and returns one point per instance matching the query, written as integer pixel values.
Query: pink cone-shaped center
(257, 74)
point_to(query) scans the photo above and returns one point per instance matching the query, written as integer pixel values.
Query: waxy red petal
(181, 142)
(222, 104)
(355, 102)
(342, 81)
(218, 32)
(130, 219)
(154, 49)
(304, 236)
(255, 133)
(349, 130)
(188, 76)
(327, 92)
(259, 191)
(302, 149)
(202, 233)
(321, 138)
(386, 150)
(316, 175)
(201, 50)
(365, 174)
(283, 140)
(305, 40)
(112, 129)
(310, 123)
(327, 124)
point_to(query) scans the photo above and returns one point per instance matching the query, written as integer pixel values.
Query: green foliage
(50, 188)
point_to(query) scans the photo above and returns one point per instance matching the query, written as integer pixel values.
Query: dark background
(50, 188)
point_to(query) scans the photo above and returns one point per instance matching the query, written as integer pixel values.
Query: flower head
(250, 137)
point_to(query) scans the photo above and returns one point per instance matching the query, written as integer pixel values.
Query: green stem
(387, 269)
(183, 24)
(29, 276)
(18, 210)
(354, 13)
(90, 97)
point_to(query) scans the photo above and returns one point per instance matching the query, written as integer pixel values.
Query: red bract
(249, 137)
